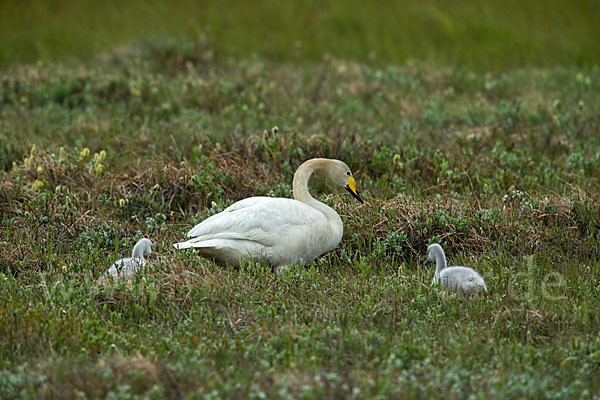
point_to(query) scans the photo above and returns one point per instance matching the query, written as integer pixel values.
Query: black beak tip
(356, 195)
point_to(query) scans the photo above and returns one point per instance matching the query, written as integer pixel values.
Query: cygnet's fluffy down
(454, 279)
(128, 267)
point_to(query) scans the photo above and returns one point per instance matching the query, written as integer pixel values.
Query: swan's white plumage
(128, 267)
(462, 279)
(454, 279)
(279, 231)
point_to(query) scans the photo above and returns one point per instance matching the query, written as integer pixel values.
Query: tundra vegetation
(146, 141)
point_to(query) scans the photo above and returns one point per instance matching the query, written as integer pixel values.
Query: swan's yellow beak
(351, 188)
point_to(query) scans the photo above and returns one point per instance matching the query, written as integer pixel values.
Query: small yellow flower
(134, 90)
(122, 202)
(581, 78)
(61, 154)
(40, 169)
(275, 130)
(84, 154)
(156, 187)
(58, 189)
(154, 90)
(99, 169)
(244, 108)
(397, 162)
(37, 185)
(166, 106)
(64, 268)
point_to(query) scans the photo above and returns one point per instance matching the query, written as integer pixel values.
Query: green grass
(502, 169)
(478, 35)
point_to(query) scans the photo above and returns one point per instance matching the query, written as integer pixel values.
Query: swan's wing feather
(257, 219)
(463, 279)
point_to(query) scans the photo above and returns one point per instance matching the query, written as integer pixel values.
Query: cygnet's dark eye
(348, 173)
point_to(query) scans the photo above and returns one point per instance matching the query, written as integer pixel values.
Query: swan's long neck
(440, 260)
(138, 250)
(300, 185)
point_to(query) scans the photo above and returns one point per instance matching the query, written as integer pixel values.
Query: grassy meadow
(478, 34)
(498, 164)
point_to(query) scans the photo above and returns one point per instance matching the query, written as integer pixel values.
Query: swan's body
(279, 231)
(128, 267)
(454, 279)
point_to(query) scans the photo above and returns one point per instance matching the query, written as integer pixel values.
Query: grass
(478, 35)
(500, 168)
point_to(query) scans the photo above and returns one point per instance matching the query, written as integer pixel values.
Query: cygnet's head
(433, 250)
(341, 175)
(142, 249)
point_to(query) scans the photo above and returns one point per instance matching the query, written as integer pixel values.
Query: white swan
(282, 232)
(127, 267)
(454, 279)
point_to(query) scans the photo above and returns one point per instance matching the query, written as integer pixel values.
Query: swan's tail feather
(191, 243)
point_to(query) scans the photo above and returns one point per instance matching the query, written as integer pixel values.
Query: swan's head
(433, 251)
(341, 175)
(143, 248)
